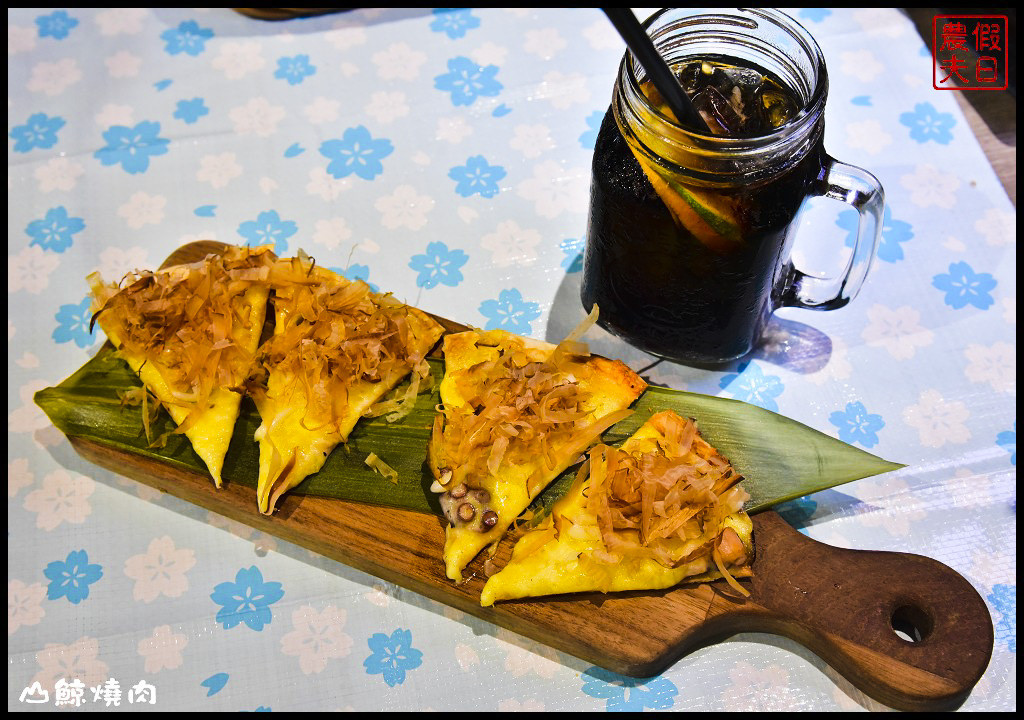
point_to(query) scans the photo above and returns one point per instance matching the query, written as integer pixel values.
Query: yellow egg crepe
(190, 332)
(338, 348)
(515, 414)
(664, 508)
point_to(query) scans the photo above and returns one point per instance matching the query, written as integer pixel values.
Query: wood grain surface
(844, 605)
(841, 604)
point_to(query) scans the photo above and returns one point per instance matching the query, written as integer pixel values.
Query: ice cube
(739, 85)
(718, 112)
(778, 108)
(690, 78)
(745, 78)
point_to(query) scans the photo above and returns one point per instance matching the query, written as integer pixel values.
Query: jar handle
(862, 191)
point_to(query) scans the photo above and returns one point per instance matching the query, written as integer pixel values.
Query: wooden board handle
(847, 606)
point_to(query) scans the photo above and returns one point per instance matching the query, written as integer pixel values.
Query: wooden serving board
(839, 603)
(844, 605)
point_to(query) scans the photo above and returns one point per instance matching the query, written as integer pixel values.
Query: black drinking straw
(639, 43)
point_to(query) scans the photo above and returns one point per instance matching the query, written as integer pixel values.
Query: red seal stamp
(970, 52)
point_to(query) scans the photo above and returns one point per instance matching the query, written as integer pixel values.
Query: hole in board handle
(911, 624)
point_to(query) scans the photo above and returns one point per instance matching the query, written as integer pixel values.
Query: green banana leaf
(780, 458)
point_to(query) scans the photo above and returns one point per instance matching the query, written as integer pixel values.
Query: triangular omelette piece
(515, 414)
(190, 332)
(664, 508)
(338, 348)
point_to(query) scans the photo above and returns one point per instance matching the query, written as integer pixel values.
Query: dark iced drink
(682, 268)
(689, 231)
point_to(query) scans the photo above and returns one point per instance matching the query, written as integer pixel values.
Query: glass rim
(804, 120)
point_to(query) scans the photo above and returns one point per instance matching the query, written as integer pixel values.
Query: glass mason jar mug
(689, 237)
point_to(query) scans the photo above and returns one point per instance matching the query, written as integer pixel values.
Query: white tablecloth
(445, 156)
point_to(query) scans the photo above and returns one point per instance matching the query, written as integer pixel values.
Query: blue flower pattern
(187, 38)
(750, 384)
(628, 694)
(572, 248)
(466, 81)
(132, 147)
(857, 425)
(476, 177)
(964, 287)
(267, 228)
(928, 124)
(70, 578)
(1004, 600)
(56, 25)
(294, 69)
(894, 232)
(589, 138)
(454, 22)
(39, 131)
(246, 600)
(215, 683)
(189, 111)
(815, 14)
(356, 152)
(56, 230)
(1007, 440)
(510, 312)
(392, 656)
(438, 265)
(73, 324)
(356, 271)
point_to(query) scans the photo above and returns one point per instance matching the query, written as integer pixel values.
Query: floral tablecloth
(445, 156)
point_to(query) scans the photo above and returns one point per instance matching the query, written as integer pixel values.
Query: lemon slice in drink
(707, 217)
